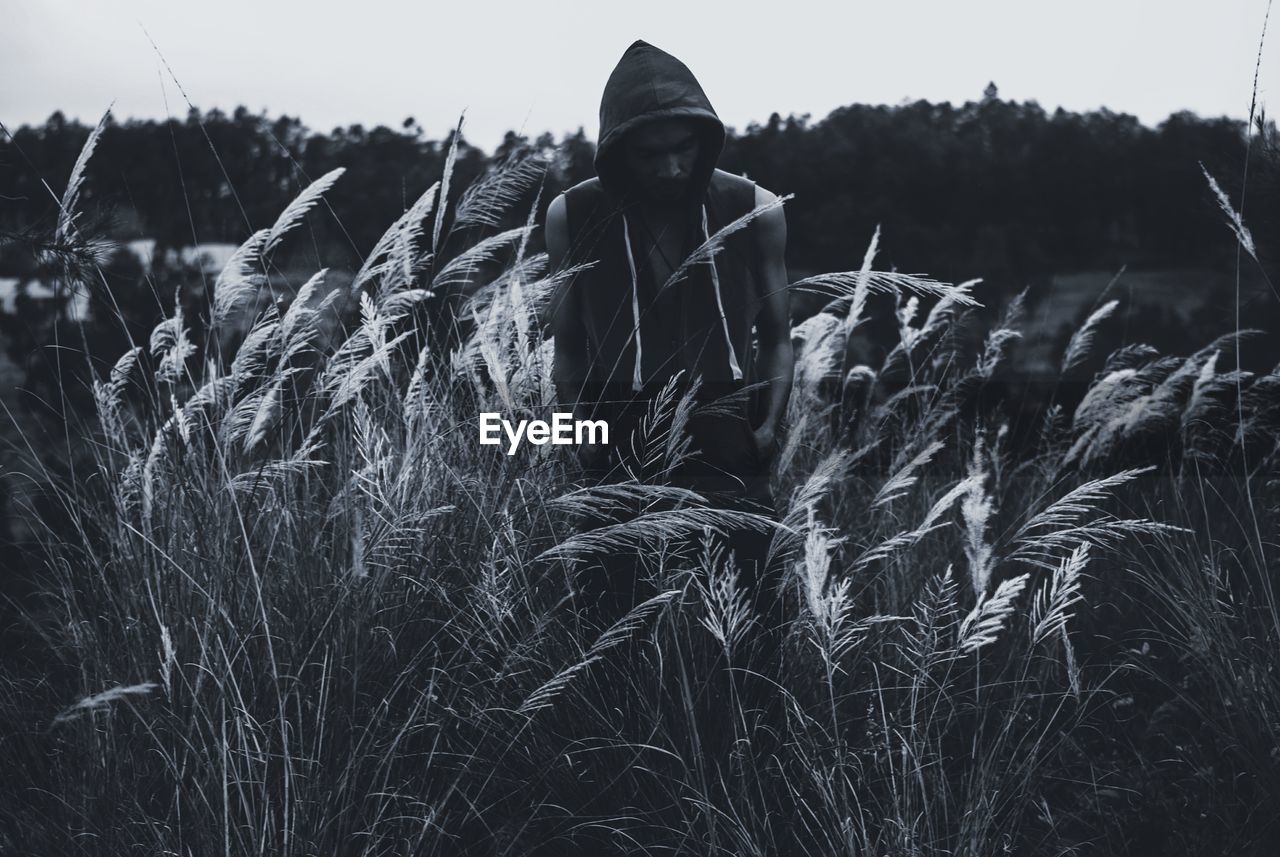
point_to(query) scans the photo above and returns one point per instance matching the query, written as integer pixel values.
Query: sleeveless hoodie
(637, 337)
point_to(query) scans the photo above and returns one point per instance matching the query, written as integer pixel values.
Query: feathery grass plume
(487, 199)
(932, 521)
(791, 444)
(298, 326)
(372, 446)
(535, 281)
(298, 208)
(651, 527)
(903, 356)
(636, 617)
(661, 442)
(1260, 402)
(1198, 389)
(235, 426)
(727, 613)
(814, 567)
(828, 606)
(128, 487)
(615, 499)
(1133, 356)
(119, 377)
(829, 472)
(460, 269)
(450, 160)
(398, 304)
(491, 346)
(495, 354)
(404, 259)
(373, 326)
(414, 403)
(1206, 410)
(1051, 609)
(950, 302)
(268, 412)
(271, 474)
(214, 395)
(74, 256)
(1004, 332)
(1082, 339)
(934, 613)
(890, 408)
(1150, 415)
(705, 252)
(171, 343)
(976, 509)
(843, 285)
(104, 699)
(402, 237)
(900, 482)
(109, 397)
(239, 279)
(494, 590)
(509, 362)
(520, 309)
(1053, 429)
(181, 422)
(1234, 219)
(1070, 509)
(905, 314)
(546, 380)
(861, 287)
(987, 618)
(168, 658)
(545, 695)
(259, 347)
(856, 390)
(820, 354)
(1159, 412)
(344, 386)
(65, 233)
(109, 417)
(1107, 398)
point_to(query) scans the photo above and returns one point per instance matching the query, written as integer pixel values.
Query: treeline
(992, 188)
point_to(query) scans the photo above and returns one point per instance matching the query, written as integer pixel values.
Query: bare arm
(569, 369)
(773, 323)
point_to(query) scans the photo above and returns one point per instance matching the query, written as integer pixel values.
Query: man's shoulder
(583, 189)
(730, 181)
(738, 192)
(585, 202)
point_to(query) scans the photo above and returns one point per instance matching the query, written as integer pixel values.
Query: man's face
(660, 157)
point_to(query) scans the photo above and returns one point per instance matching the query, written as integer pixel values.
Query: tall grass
(299, 609)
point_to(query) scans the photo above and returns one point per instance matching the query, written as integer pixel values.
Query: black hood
(647, 84)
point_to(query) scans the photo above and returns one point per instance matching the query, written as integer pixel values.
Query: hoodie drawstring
(715, 284)
(636, 380)
(635, 303)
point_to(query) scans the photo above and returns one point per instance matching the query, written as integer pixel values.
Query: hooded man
(624, 327)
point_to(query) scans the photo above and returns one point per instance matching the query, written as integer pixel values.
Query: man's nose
(672, 168)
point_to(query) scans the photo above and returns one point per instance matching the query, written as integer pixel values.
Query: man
(620, 336)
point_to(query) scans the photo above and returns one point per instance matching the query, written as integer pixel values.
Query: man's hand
(765, 437)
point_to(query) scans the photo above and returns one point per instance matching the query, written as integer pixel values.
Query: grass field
(291, 606)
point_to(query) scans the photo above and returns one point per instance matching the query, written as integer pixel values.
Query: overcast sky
(541, 64)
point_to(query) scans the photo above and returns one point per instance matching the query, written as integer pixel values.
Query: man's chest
(659, 246)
